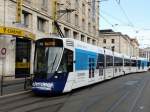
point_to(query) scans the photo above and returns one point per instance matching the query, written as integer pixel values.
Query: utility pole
(55, 25)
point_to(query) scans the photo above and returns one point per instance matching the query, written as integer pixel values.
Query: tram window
(100, 61)
(109, 60)
(127, 62)
(133, 63)
(66, 64)
(139, 64)
(148, 64)
(118, 61)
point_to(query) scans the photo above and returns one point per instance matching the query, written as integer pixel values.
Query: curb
(13, 94)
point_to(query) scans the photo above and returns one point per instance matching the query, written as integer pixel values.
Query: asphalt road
(130, 93)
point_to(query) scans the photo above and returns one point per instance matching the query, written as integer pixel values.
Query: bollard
(1, 85)
(25, 82)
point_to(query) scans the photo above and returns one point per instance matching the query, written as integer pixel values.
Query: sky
(131, 17)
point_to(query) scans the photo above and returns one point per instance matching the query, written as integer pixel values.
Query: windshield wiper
(54, 62)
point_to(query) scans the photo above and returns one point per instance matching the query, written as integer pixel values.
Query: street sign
(16, 32)
(11, 31)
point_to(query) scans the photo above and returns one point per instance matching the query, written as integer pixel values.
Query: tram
(64, 64)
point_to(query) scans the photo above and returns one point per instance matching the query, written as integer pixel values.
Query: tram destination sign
(50, 43)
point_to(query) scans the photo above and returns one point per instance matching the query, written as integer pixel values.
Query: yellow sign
(29, 35)
(16, 32)
(11, 31)
(22, 65)
(19, 11)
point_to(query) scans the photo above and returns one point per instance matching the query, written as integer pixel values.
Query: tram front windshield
(47, 56)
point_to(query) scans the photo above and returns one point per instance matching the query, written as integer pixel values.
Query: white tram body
(64, 64)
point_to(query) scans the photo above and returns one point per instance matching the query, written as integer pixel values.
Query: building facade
(118, 42)
(134, 47)
(145, 52)
(36, 21)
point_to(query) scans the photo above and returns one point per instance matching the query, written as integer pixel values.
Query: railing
(27, 81)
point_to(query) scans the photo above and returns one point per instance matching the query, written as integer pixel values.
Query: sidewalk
(14, 86)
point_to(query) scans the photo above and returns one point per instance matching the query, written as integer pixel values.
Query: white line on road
(137, 97)
(118, 102)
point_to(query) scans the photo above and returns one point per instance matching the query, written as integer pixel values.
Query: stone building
(118, 42)
(135, 47)
(19, 30)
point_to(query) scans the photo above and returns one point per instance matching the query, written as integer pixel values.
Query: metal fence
(25, 83)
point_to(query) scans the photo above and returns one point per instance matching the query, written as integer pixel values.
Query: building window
(104, 41)
(113, 48)
(82, 38)
(44, 3)
(66, 32)
(41, 24)
(76, 4)
(113, 41)
(68, 17)
(75, 35)
(76, 20)
(89, 13)
(88, 40)
(83, 9)
(94, 42)
(94, 30)
(28, 1)
(83, 24)
(25, 18)
(89, 27)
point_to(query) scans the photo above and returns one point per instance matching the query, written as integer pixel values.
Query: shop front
(16, 58)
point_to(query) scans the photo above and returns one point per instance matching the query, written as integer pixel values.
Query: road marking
(141, 107)
(118, 102)
(130, 83)
(137, 97)
(13, 94)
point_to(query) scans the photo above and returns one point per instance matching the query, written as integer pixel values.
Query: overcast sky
(131, 17)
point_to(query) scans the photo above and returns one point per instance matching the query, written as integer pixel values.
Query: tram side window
(100, 61)
(133, 63)
(66, 64)
(109, 60)
(139, 64)
(126, 62)
(148, 64)
(118, 61)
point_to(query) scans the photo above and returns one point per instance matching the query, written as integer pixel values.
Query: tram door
(91, 67)
(23, 51)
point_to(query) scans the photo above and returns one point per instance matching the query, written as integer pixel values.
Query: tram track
(111, 96)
